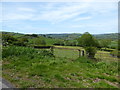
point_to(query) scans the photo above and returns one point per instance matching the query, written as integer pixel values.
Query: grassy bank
(28, 67)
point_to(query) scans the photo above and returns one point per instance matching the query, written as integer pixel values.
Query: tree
(34, 35)
(70, 42)
(59, 42)
(105, 43)
(8, 39)
(89, 43)
(39, 41)
(23, 39)
(87, 40)
(21, 42)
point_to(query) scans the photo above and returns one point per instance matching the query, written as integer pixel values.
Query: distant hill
(106, 36)
(64, 36)
(75, 35)
(14, 34)
(72, 36)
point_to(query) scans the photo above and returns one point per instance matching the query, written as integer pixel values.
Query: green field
(28, 67)
(74, 54)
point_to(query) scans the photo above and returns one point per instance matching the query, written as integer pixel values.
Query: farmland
(60, 44)
(28, 67)
(38, 68)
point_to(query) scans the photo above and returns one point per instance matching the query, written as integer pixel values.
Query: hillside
(107, 36)
(76, 35)
(28, 67)
(70, 36)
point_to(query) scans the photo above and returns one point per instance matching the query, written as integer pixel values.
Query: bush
(90, 51)
(39, 41)
(8, 39)
(16, 51)
(19, 51)
(19, 43)
(59, 42)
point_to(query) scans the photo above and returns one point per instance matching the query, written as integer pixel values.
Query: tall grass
(39, 68)
(25, 51)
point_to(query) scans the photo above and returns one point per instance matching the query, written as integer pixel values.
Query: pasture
(74, 54)
(28, 67)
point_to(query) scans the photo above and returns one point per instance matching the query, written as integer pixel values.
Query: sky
(59, 17)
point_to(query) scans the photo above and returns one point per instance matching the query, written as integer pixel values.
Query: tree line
(87, 41)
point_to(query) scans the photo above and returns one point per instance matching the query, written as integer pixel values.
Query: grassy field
(67, 53)
(74, 54)
(28, 67)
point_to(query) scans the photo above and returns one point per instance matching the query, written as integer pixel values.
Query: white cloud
(59, 0)
(68, 11)
(16, 16)
(82, 18)
(76, 26)
(58, 12)
(24, 9)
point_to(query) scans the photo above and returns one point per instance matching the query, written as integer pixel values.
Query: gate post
(82, 53)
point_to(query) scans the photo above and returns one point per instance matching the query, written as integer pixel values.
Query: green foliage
(8, 39)
(28, 67)
(16, 51)
(21, 42)
(34, 35)
(23, 39)
(70, 43)
(89, 43)
(36, 68)
(113, 36)
(39, 41)
(104, 43)
(19, 51)
(90, 51)
(87, 40)
(59, 42)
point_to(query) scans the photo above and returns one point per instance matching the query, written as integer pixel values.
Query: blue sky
(60, 17)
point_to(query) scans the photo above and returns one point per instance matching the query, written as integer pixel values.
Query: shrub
(39, 41)
(8, 39)
(17, 51)
(19, 43)
(91, 51)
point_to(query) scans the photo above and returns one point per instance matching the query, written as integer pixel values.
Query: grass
(40, 69)
(72, 54)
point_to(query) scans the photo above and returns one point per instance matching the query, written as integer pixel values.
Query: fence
(70, 51)
(63, 52)
(75, 53)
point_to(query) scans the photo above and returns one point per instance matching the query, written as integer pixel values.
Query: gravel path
(5, 84)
